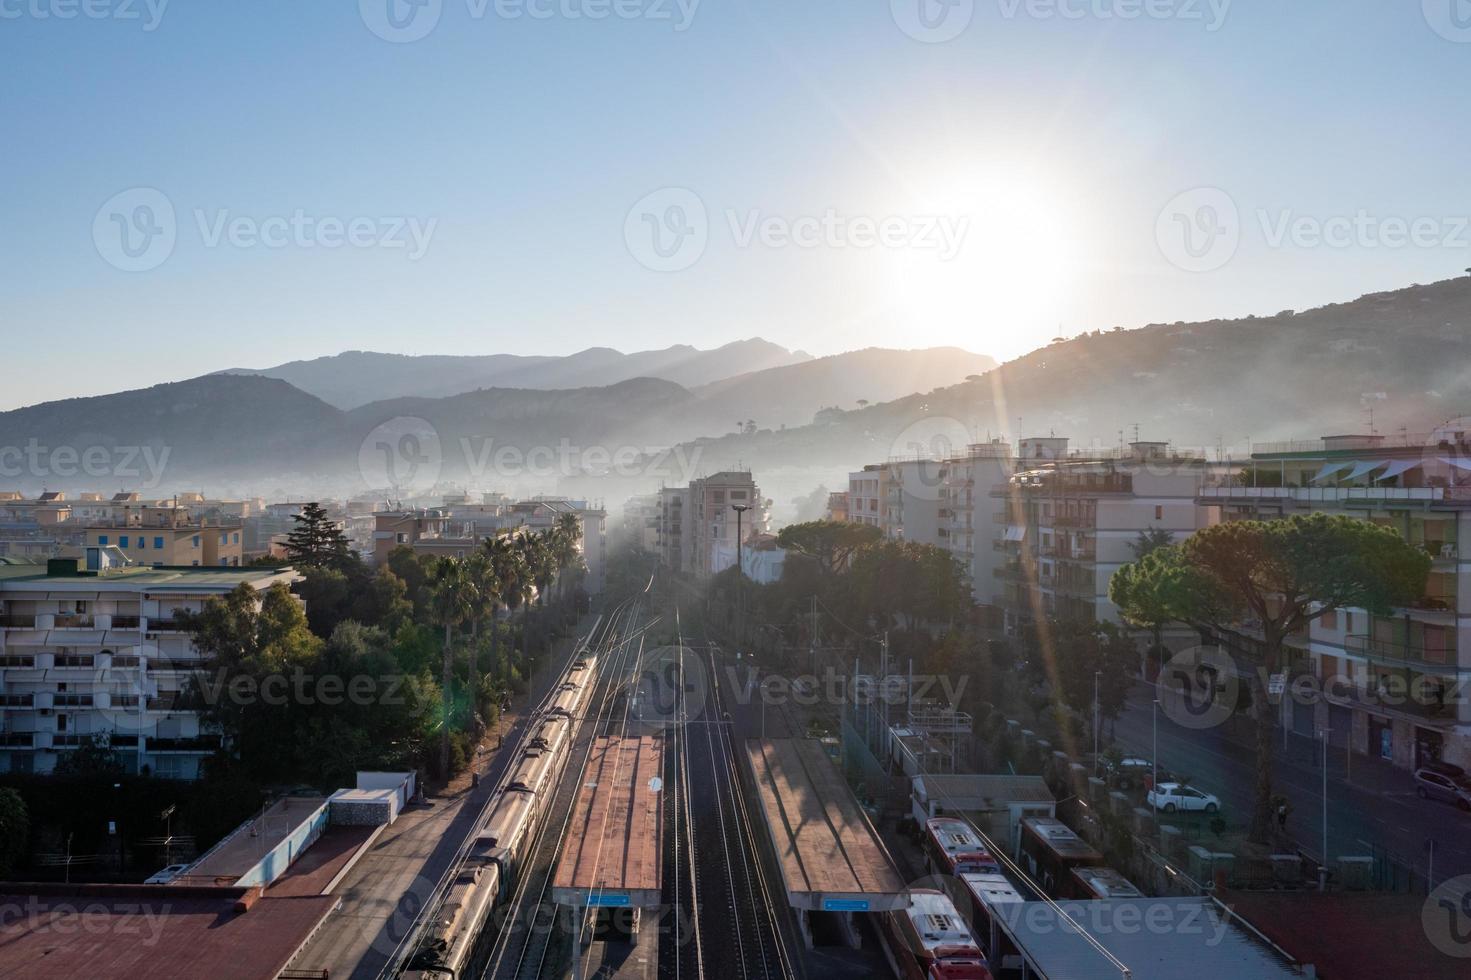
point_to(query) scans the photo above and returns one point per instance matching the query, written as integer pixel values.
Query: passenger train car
(930, 941)
(504, 837)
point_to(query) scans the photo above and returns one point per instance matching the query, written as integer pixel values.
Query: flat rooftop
(122, 932)
(1155, 938)
(613, 853)
(831, 857)
(161, 579)
(251, 841)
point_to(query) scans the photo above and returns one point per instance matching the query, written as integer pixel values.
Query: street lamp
(1154, 763)
(740, 511)
(1096, 675)
(1323, 868)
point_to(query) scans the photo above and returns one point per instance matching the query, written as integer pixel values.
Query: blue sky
(496, 174)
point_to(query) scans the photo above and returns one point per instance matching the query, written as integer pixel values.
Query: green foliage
(15, 830)
(96, 756)
(831, 544)
(317, 541)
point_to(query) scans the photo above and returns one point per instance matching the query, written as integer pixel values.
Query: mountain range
(1386, 360)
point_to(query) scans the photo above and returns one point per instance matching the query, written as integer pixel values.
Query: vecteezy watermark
(407, 21)
(921, 449)
(147, 13)
(749, 686)
(1201, 230)
(1451, 19)
(1446, 917)
(97, 920)
(1183, 918)
(933, 21)
(137, 230)
(937, 21)
(668, 230)
(1198, 687)
(407, 455)
(35, 459)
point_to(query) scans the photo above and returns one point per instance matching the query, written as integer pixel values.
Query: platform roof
(831, 857)
(613, 854)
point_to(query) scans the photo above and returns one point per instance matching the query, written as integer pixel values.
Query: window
(1159, 512)
(158, 543)
(122, 541)
(142, 542)
(235, 538)
(1330, 620)
(224, 539)
(102, 540)
(196, 541)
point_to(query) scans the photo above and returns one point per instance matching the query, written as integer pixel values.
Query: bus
(952, 847)
(931, 941)
(1100, 882)
(1049, 850)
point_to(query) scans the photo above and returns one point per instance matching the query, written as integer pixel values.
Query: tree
(96, 756)
(1151, 539)
(15, 830)
(317, 541)
(1280, 576)
(831, 544)
(1154, 590)
(483, 595)
(449, 605)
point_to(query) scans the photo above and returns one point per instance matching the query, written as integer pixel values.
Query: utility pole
(740, 512)
(1323, 868)
(1096, 675)
(1154, 763)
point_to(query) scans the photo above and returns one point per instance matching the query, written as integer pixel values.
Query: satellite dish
(656, 784)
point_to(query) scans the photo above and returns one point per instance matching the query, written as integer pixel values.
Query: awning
(1397, 467)
(1329, 469)
(1361, 468)
(1015, 532)
(1459, 462)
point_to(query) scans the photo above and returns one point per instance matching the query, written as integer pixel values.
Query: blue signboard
(845, 905)
(606, 900)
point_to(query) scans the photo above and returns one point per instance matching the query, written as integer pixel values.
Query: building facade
(1395, 687)
(89, 650)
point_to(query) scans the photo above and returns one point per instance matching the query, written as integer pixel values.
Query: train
(931, 941)
(504, 836)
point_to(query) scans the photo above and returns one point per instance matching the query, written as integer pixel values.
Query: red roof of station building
(123, 932)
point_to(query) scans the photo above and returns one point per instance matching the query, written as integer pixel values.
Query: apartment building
(674, 543)
(1395, 687)
(1068, 521)
(93, 647)
(166, 533)
(404, 528)
(700, 531)
(967, 503)
(837, 505)
(865, 494)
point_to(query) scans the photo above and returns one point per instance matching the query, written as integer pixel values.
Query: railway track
(722, 888)
(524, 944)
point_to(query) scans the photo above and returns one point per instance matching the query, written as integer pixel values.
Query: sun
(1006, 285)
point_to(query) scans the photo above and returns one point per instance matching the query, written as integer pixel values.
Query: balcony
(20, 660)
(171, 663)
(127, 622)
(17, 740)
(1337, 495)
(72, 621)
(167, 625)
(18, 622)
(74, 661)
(17, 700)
(71, 701)
(1395, 652)
(199, 743)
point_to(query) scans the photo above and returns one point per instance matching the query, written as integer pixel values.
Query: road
(1378, 810)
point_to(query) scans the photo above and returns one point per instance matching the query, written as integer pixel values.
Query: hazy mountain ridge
(1405, 353)
(355, 378)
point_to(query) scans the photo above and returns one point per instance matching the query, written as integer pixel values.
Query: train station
(830, 856)
(612, 857)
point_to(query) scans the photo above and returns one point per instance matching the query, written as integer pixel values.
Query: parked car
(167, 875)
(1444, 782)
(1131, 771)
(1170, 797)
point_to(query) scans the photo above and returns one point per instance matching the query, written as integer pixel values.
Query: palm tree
(510, 573)
(449, 605)
(566, 535)
(483, 587)
(537, 556)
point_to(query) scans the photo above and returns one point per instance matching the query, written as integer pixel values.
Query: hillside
(1404, 353)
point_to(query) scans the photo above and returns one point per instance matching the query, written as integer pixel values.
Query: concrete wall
(275, 863)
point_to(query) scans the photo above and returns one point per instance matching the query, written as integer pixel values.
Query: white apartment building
(967, 506)
(698, 524)
(88, 648)
(865, 492)
(1397, 687)
(1068, 522)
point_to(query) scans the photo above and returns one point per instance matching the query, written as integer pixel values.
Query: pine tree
(317, 541)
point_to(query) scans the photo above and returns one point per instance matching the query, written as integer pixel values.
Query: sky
(190, 186)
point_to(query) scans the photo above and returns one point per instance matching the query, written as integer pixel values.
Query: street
(1377, 807)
